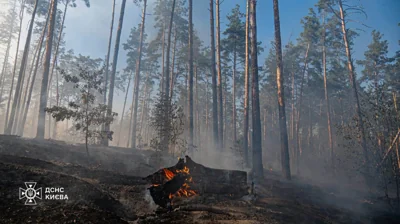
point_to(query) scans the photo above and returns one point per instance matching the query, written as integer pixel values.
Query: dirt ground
(109, 188)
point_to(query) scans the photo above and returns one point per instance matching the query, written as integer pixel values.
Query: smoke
(149, 200)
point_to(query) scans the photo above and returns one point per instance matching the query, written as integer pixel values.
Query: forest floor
(109, 188)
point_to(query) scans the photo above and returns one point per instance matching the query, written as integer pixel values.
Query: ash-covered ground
(108, 188)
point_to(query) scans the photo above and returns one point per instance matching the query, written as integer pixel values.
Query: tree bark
(299, 107)
(114, 68)
(285, 163)
(246, 90)
(14, 69)
(21, 75)
(109, 52)
(6, 56)
(191, 75)
(123, 109)
(45, 79)
(234, 98)
(108, 62)
(22, 104)
(57, 46)
(256, 119)
(219, 84)
(171, 91)
(26, 108)
(137, 78)
(354, 85)
(213, 77)
(328, 107)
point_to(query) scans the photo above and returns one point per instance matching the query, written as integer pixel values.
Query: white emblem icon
(30, 193)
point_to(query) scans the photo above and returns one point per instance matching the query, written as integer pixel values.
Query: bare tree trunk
(108, 63)
(45, 79)
(246, 90)
(144, 100)
(299, 107)
(171, 91)
(207, 108)
(285, 163)
(114, 67)
(163, 62)
(58, 45)
(137, 78)
(25, 92)
(224, 96)
(26, 108)
(256, 120)
(21, 76)
(219, 84)
(234, 99)
(354, 85)
(7, 54)
(57, 104)
(293, 115)
(123, 109)
(21, 18)
(198, 133)
(213, 77)
(328, 107)
(191, 75)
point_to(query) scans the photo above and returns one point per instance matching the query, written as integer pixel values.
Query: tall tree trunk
(24, 91)
(137, 78)
(108, 63)
(108, 53)
(6, 56)
(354, 85)
(114, 68)
(144, 100)
(293, 117)
(171, 91)
(256, 119)
(299, 110)
(224, 97)
(285, 163)
(207, 110)
(57, 45)
(191, 74)
(21, 75)
(163, 61)
(219, 84)
(246, 91)
(57, 104)
(213, 77)
(328, 107)
(198, 133)
(45, 79)
(29, 96)
(123, 109)
(234, 99)
(21, 18)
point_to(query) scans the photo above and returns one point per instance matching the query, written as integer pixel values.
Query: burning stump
(187, 179)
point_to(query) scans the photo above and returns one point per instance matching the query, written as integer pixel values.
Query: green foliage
(87, 115)
(167, 119)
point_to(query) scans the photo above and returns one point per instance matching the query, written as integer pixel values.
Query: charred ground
(109, 188)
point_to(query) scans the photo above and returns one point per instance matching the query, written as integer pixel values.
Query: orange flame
(184, 190)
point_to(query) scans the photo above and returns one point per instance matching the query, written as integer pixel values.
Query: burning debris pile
(187, 179)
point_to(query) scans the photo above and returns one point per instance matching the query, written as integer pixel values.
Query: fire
(184, 190)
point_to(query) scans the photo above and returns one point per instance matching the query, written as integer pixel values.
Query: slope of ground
(109, 189)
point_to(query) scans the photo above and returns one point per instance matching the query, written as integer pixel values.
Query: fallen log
(192, 178)
(162, 194)
(161, 177)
